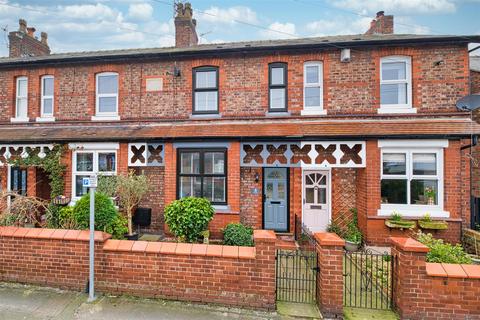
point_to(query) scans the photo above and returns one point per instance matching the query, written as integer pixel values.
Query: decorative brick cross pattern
(277, 154)
(138, 154)
(325, 154)
(308, 154)
(155, 153)
(351, 154)
(253, 154)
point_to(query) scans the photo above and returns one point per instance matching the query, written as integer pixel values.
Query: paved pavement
(35, 303)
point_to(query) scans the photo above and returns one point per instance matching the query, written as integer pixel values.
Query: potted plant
(397, 222)
(427, 223)
(429, 193)
(353, 238)
(130, 190)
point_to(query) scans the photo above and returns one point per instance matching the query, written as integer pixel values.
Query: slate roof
(350, 41)
(241, 129)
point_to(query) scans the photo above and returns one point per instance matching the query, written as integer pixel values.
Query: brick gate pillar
(330, 275)
(409, 267)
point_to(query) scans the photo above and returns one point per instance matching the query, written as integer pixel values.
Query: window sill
(385, 110)
(412, 212)
(313, 112)
(105, 118)
(45, 119)
(277, 114)
(206, 116)
(19, 120)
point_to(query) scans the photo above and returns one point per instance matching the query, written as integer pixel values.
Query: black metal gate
(368, 280)
(296, 275)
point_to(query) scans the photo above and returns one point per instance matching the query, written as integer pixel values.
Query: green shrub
(443, 252)
(66, 218)
(107, 218)
(335, 228)
(188, 217)
(236, 234)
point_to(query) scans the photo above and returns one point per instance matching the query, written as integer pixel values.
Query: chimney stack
(382, 24)
(22, 43)
(185, 26)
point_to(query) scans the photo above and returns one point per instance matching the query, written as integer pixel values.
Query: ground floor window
(412, 177)
(86, 163)
(202, 173)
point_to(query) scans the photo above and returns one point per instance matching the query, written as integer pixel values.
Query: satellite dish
(469, 103)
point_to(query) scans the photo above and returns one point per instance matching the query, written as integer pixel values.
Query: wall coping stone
(329, 239)
(53, 234)
(187, 249)
(408, 244)
(449, 270)
(264, 235)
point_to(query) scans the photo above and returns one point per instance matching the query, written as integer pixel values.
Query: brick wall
(154, 199)
(237, 276)
(475, 81)
(432, 290)
(349, 88)
(330, 275)
(250, 203)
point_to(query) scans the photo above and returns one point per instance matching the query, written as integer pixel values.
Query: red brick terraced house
(275, 133)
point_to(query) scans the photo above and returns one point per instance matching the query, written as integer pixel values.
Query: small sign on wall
(254, 191)
(154, 84)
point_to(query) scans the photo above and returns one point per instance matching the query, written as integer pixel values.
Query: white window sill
(105, 118)
(277, 113)
(206, 116)
(19, 120)
(412, 212)
(386, 110)
(313, 112)
(45, 119)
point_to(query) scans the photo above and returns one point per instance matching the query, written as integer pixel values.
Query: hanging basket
(61, 200)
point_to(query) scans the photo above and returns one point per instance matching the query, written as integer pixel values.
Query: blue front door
(275, 206)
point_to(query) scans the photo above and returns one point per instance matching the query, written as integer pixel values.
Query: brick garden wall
(237, 276)
(432, 290)
(475, 81)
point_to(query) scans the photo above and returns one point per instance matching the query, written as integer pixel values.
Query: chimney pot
(31, 31)
(44, 38)
(22, 25)
(380, 14)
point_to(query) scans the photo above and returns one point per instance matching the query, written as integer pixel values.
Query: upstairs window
(21, 105)
(47, 97)
(202, 173)
(395, 84)
(107, 94)
(277, 86)
(205, 90)
(313, 86)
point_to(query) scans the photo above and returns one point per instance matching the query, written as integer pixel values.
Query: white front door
(316, 198)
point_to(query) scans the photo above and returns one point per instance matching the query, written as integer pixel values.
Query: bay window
(205, 90)
(412, 181)
(277, 87)
(396, 85)
(202, 173)
(89, 162)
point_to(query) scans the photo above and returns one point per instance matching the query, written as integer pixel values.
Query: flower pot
(433, 225)
(131, 236)
(352, 246)
(402, 224)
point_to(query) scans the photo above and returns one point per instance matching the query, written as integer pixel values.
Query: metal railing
(368, 280)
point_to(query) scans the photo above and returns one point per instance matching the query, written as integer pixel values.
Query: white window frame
(397, 108)
(95, 171)
(313, 110)
(16, 117)
(106, 115)
(43, 116)
(415, 210)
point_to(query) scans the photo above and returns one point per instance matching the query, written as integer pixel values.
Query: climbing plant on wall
(55, 169)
